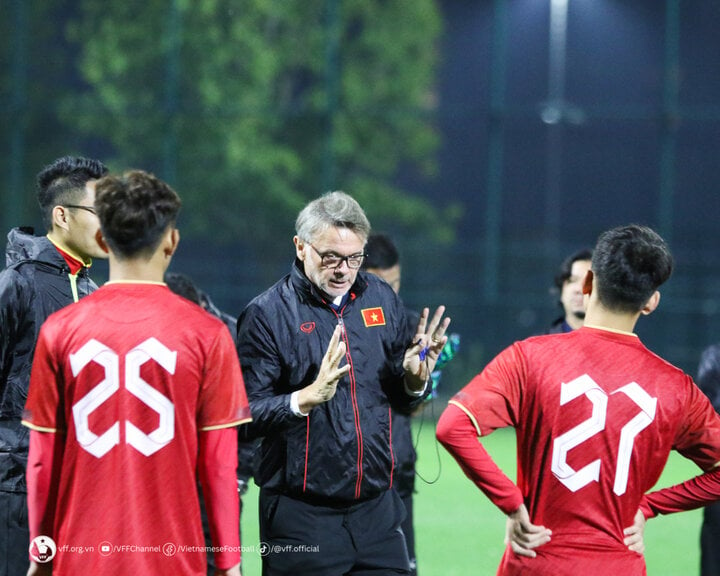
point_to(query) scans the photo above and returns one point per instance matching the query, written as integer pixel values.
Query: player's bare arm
(524, 536)
(428, 343)
(324, 386)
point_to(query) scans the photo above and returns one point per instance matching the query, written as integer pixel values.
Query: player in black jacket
(325, 353)
(43, 274)
(708, 379)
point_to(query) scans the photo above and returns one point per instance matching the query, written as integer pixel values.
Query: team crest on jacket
(307, 327)
(373, 316)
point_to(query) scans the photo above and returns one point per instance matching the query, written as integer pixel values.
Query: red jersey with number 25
(131, 375)
(596, 415)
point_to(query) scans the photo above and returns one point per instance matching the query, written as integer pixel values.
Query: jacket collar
(24, 246)
(308, 292)
(73, 262)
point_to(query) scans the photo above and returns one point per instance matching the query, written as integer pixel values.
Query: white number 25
(147, 444)
(584, 385)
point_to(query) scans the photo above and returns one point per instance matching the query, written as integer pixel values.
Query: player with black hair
(134, 395)
(567, 288)
(43, 274)
(596, 415)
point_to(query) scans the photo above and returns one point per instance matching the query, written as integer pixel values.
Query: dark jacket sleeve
(12, 314)
(262, 370)
(708, 377)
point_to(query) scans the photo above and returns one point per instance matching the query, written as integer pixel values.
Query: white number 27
(584, 385)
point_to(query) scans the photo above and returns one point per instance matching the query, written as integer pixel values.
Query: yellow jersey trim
(151, 282)
(87, 263)
(229, 425)
(472, 418)
(615, 330)
(37, 428)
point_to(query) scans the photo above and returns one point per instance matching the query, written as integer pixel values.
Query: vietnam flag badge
(373, 316)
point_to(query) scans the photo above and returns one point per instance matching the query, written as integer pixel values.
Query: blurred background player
(183, 285)
(168, 372)
(43, 274)
(383, 259)
(568, 289)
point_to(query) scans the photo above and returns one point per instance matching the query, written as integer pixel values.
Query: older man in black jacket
(43, 274)
(325, 353)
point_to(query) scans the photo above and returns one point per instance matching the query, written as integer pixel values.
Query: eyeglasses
(80, 207)
(332, 260)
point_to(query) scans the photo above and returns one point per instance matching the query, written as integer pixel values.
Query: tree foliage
(252, 107)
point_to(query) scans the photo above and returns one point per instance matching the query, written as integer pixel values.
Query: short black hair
(134, 210)
(381, 252)
(63, 182)
(630, 263)
(182, 284)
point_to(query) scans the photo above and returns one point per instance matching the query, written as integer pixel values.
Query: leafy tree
(252, 107)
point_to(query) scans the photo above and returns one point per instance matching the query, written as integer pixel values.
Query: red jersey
(596, 415)
(130, 376)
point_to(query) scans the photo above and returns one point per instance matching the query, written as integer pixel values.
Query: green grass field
(459, 532)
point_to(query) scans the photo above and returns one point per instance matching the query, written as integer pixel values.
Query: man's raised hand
(324, 386)
(428, 343)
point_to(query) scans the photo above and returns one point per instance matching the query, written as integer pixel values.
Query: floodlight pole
(671, 89)
(553, 114)
(558, 50)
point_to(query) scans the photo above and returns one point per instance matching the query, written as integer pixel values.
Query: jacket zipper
(356, 408)
(73, 286)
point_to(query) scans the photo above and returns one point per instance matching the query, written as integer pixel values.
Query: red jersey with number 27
(596, 415)
(131, 375)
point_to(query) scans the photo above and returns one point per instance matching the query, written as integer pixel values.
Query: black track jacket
(35, 284)
(342, 452)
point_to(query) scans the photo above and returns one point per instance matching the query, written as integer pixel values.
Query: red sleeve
(223, 401)
(43, 478)
(691, 494)
(457, 433)
(217, 464)
(492, 398)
